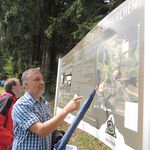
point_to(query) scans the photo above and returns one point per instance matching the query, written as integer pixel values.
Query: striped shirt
(25, 113)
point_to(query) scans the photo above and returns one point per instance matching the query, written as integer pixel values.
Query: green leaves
(8, 67)
(33, 33)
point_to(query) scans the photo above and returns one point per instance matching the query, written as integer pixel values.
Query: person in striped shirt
(33, 123)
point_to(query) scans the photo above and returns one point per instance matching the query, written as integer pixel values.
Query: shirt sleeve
(24, 115)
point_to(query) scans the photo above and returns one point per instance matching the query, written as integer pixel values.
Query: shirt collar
(28, 96)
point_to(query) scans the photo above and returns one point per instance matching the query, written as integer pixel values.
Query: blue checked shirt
(25, 113)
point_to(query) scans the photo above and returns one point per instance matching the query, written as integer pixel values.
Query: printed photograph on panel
(118, 70)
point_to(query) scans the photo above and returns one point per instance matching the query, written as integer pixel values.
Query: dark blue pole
(63, 142)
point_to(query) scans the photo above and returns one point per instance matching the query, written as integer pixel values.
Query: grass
(1, 90)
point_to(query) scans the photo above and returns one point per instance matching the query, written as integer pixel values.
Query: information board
(112, 51)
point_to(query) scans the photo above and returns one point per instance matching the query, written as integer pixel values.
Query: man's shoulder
(5, 103)
(6, 95)
(22, 106)
(24, 101)
(9, 96)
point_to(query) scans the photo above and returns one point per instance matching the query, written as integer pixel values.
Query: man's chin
(42, 91)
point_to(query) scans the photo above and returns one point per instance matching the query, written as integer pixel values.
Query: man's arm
(44, 129)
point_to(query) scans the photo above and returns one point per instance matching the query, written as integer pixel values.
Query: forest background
(36, 33)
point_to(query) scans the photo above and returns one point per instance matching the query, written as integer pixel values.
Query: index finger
(78, 98)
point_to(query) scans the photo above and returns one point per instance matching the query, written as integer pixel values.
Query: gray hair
(26, 73)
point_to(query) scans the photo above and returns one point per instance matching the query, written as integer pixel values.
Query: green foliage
(8, 67)
(2, 62)
(75, 21)
(52, 27)
(34, 33)
(1, 90)
(22, 26)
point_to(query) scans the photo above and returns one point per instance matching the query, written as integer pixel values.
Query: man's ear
(25, 85)
(14, 88)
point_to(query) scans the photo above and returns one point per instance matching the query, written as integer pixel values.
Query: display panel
(112, 51)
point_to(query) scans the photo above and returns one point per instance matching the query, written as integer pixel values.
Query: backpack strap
(5, 103)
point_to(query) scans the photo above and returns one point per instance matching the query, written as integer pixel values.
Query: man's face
(35, 83)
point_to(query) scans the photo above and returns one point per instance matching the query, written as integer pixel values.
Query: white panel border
(146, 105)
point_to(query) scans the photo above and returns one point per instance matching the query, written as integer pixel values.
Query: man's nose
(42, 82)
